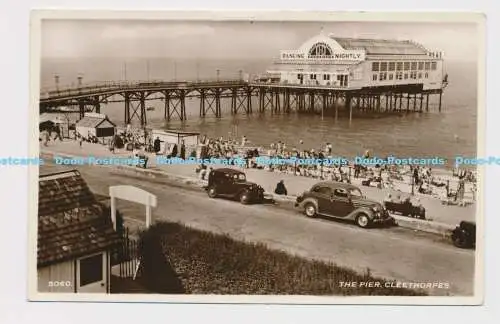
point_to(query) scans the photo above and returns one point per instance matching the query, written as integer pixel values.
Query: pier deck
(274, 97)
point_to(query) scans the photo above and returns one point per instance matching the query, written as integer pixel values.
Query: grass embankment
(179, 259)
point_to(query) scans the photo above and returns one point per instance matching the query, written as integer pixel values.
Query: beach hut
(95, 125)
(48, 122)
(76, 237)
(170, 137)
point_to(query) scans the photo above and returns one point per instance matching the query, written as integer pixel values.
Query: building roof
(71, 222)
(94, 122)
(381, 46)
(180, 133)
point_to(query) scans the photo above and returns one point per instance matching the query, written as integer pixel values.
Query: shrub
(208, 263)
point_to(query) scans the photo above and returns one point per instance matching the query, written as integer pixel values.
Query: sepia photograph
(273, 157)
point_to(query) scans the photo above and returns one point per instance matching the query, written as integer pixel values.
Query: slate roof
(71, 223)
(381, 46)
(92, 122)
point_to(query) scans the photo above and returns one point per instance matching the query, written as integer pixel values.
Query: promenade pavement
(295, 185)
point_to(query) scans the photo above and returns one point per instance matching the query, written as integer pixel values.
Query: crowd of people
(421, 178)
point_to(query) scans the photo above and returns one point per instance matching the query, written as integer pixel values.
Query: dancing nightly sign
(337, 56)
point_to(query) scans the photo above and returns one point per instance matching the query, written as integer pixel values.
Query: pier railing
(47, 93)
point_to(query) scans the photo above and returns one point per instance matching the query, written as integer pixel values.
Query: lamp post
(56, 79)
(175, 71)
(147, 68)
(218, 74)
(197, 71)
(125, 70)
(241, 75)
(80, 78)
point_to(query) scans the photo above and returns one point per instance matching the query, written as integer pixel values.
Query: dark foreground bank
(179, 259)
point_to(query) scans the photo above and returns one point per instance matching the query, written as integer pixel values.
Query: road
(392, 253)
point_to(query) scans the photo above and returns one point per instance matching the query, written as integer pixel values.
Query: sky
(234, 40)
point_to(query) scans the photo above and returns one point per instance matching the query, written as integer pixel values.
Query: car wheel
(212, 192)
(244, 197)
(310, 210)
(363, 220)
(459, 241)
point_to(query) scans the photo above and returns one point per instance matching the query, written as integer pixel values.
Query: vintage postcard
(257, 157)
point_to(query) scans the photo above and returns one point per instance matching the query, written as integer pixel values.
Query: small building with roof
(95, 125)
(352, 63)
(171, 137)
(75, 236)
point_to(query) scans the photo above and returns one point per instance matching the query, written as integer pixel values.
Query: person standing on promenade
(328, 149)
(157, 145)
(415, 175)
(112, 145)
(183, 151)
(460, 191)
(47, 138)
(280, 188)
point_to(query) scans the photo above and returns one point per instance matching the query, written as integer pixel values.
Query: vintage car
(231, 183)
(342, 201)
(405, 208)
(464, 235)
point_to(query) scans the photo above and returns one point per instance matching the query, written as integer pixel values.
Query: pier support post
(427, 103)
(249, 100)
(166, 111)
(97, 105)
(277, 103)
(202, 103)
(127, 108)
(414, 102)
(358, 103)
(440, 97)
(325, 101)
(421, 101)
(261, 99)
(217, 103)
(233, 102)
(336, 109)
(143, 108)
(408, 101)
(311, 101)
(348, 104)
(286, 100)
(183, 104)
(81, 106)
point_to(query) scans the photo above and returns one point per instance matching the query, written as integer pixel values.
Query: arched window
(319, 49)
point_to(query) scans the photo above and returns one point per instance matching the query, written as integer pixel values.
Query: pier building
(351, 63)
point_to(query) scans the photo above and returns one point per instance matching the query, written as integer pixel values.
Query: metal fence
(126, 255)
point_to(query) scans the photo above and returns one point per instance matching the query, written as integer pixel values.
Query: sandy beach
(436, 211)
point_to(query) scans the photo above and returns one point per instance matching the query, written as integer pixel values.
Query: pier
(272, 97)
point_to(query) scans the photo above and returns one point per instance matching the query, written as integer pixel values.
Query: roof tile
(71, 223)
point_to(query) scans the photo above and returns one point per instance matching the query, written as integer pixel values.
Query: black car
(464, 235)
(405, 208)
(342, 201)
(231, 183)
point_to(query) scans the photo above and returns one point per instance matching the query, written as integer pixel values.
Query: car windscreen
(355, 192)
(240, 177)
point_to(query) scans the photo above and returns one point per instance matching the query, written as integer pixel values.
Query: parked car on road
(342, 201)
(405, 208)
(464, 235)
(231, 183)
